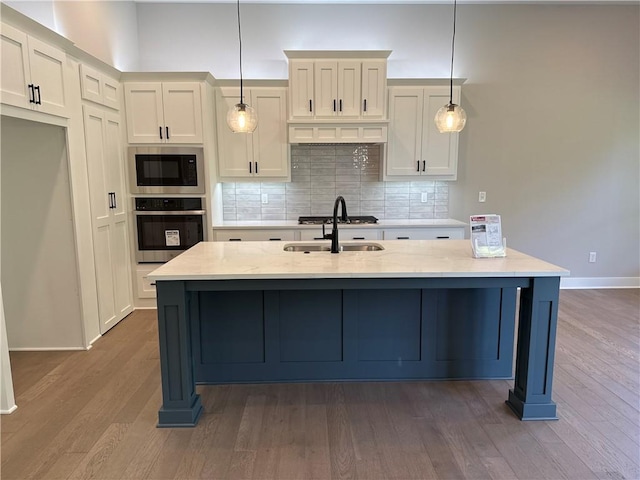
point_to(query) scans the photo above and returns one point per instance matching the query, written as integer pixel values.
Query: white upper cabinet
(33, 73)
(169, 112)
(263, 153)
(99, 88)
(337, 89)
(416, 147)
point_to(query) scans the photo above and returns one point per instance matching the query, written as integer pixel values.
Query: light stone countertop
(399, 259)
(289, 224)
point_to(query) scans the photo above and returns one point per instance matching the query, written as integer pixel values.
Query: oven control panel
(168, 204)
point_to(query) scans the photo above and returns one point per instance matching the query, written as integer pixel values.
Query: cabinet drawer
(145, 287)
(343, 234)
(254, 235)
(423, 233)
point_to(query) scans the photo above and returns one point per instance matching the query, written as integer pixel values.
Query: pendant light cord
(240, 43)
(453, 43)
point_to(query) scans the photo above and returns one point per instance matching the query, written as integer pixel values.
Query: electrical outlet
(424, 197)
(482, 197)
(592, 257)
(265, 198)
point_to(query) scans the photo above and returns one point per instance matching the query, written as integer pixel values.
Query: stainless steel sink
(319, 247)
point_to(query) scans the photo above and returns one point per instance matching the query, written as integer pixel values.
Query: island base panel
(175, 417)
(531, 411)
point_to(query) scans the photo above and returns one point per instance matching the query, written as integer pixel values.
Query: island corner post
(530, 399)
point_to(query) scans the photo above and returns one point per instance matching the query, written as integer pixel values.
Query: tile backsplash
(319, 173)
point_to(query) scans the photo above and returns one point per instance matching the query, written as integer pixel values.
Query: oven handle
(172, 212)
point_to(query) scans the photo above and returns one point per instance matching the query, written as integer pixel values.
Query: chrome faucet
(335, 247)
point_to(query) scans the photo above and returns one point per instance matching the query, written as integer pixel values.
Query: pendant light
(451, 117)
(241, 118)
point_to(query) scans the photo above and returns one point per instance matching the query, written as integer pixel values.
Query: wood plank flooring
(93, 414)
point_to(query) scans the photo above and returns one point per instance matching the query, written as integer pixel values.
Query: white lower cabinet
(444, 233)
(145, 287)
(343, 233)
(103, 138)
(252, 235)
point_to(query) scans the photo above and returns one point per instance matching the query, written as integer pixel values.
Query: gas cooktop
(354, 220)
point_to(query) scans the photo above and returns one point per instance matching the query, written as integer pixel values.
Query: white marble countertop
(399, 259)
(289, 224)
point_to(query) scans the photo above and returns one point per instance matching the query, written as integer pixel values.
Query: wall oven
(166, 227)
(166, 170)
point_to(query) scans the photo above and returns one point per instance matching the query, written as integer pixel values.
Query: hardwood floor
(93, 415)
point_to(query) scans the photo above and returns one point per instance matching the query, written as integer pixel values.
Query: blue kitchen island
(251, 312)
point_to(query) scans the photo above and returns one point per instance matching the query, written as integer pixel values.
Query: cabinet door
(234, 149)
(119, 234)
(405, 131)
(47, 65)
(91, 84)
(326, 89)
(270, 148)
(94, 131)
(439, 150)
(182, 112)
(374, 85)
(15, 76)
(110, 92)
(301, 97)
(145, 120)
(349, 88)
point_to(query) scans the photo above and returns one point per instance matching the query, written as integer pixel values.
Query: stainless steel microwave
(160, 170)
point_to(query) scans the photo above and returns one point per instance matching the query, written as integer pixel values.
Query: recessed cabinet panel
(15, 67)
(182, 112)
(47, 66)
(405, 123)
(144, 112)
(440, 150)
(349, 82)
(374, 88)
(326, 89)
(301, 97)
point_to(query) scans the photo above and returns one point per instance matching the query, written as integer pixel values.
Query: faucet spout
(335, 246)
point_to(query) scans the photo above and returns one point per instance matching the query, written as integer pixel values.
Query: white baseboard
(599, 282)
(93, 341)
(146, 308)
(47, 349)
(10, 410)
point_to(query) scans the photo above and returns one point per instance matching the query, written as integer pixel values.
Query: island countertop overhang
(399, 259)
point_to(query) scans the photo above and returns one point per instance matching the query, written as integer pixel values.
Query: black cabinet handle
(250, 167)
(160, 128)
(32, 95)
(38, 101)
(334, 105)
(424, 165)
(418, 166)
(358, 238)
(310, 105)
(235, 239)
(318, 238)
(167, 130)
(115, 203)
(256, 168)
(340, 104)
(442, 238)
(110, 200)
(402, 238)
(275, 239)
(365, 104)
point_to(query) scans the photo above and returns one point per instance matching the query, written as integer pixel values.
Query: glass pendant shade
(450, 118)
(241, 118)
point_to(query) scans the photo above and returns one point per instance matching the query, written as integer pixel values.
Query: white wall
(39, 269)
(105, 29)
(551, 93)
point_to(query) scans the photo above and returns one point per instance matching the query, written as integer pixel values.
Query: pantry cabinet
(263, 153)
(109, 215)
(344, 89)
(33, 73)
(415, 146)
(164, 112)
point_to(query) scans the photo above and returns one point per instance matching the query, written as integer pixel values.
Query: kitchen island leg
(181, 406)
(530, 398)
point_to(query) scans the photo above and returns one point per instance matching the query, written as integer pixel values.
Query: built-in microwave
(160, 170)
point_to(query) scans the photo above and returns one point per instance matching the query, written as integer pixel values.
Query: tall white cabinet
(263, 154)
(105, 151)
(416, 148)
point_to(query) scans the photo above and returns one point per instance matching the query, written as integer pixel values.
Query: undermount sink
(319, 247)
